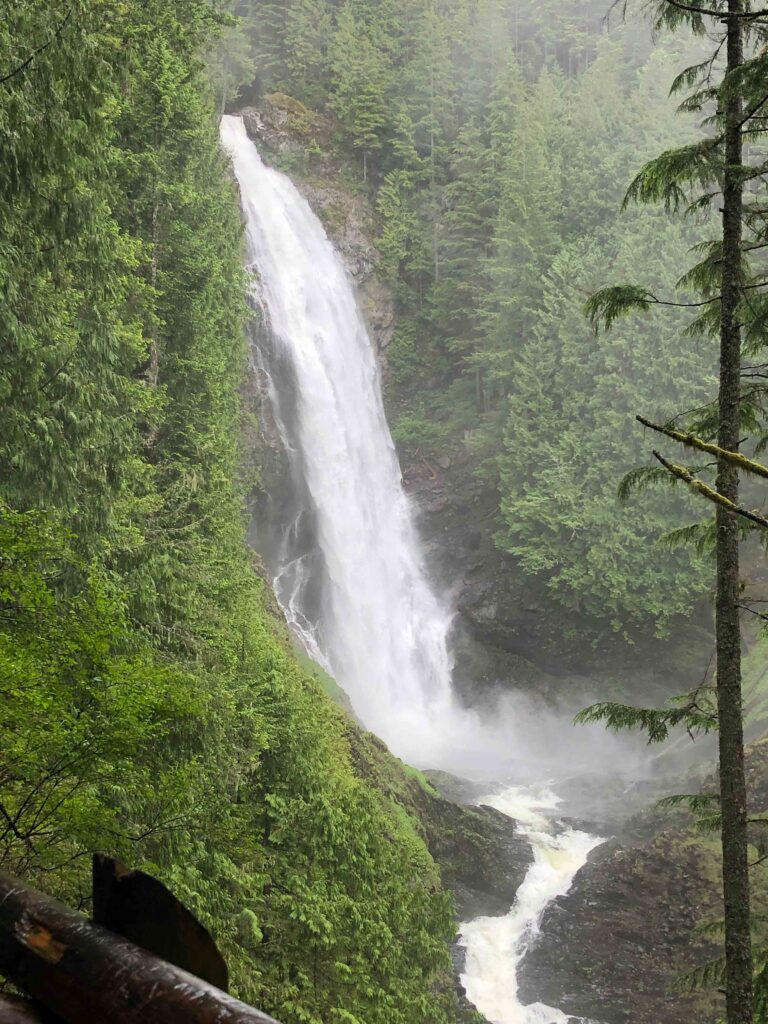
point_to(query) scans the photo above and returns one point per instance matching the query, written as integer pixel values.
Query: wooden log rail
(82, 973)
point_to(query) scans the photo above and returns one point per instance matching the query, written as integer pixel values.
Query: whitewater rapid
(495, 946)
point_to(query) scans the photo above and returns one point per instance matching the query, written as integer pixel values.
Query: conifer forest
(384, 506)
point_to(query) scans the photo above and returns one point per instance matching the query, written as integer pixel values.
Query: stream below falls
(495, 946)
(348, 566)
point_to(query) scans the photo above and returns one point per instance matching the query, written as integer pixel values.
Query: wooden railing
(77, 971)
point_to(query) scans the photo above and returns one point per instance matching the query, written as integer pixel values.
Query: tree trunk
(733, 797)
(153, 373)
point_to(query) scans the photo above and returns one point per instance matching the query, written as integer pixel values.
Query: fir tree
(712, 168)
(359, 81)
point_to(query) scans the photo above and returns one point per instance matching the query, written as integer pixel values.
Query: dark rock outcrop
(613, 948)
(483, 858)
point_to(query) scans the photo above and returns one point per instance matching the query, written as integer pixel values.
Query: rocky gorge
(506, 632)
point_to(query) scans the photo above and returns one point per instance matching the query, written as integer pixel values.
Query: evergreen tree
(570, 435)
(359, 82)
(526, 235)
(308, 33)
(69, 340)
(715, 167)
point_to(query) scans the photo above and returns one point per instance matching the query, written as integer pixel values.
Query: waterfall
(348, 569)
(376, 624)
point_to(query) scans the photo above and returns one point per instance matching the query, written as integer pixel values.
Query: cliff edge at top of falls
(301, 143)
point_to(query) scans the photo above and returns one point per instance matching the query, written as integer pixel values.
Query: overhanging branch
(684, 474)
(35, 53)
(692, 441)
(720, 15)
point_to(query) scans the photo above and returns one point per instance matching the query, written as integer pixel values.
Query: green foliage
(89, 709)
(152, 706)
(359, 71)
(570, 435)
(667, 178)
(694, 711)
(607, 305)
(69, 337)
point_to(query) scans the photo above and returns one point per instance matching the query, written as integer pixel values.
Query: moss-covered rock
(481, 855)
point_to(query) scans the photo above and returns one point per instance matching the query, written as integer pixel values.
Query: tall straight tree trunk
(733, 796)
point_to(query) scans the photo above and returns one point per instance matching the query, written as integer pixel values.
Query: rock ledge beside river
(612, 949)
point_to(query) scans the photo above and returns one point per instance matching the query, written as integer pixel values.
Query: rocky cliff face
(612, 948)
(302, 144)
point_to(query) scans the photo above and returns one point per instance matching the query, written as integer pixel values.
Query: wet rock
(610, 949)
(613, 947)
(302, 142)
(437, 505)
(456, 788)
(482, 855)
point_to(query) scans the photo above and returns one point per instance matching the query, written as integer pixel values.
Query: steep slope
(153, 707)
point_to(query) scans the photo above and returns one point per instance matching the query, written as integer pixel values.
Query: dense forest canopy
(153, 705)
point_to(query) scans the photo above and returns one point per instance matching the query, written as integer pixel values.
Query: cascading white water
(378, 626)
(382, 632)
(496, 945)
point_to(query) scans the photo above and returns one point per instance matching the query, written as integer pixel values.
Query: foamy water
(495, 946)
